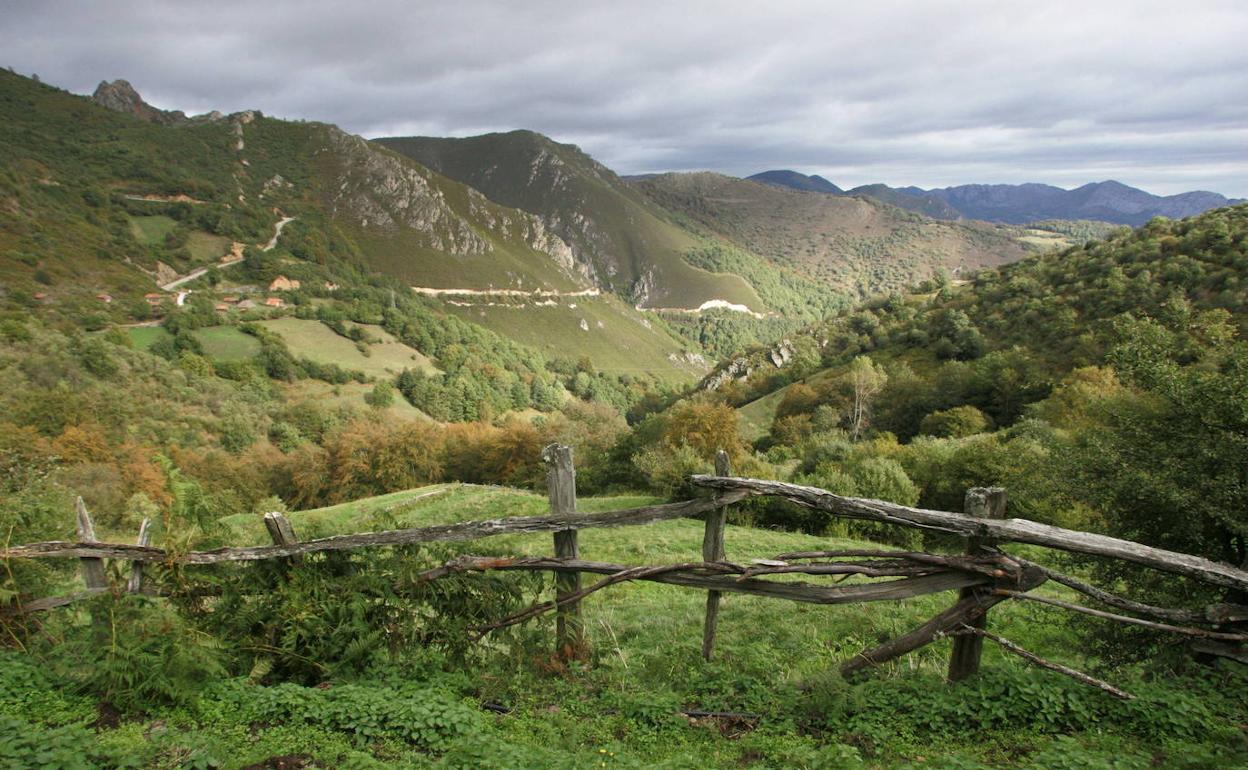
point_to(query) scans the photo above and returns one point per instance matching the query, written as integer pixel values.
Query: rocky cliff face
(380, 189)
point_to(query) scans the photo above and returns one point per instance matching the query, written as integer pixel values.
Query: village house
(282, 283)
(246, 305)
(153, 298)
(331, 286)
(41, 296)
(222, 307)
(274, 302)
(231, 300)
(105, 298)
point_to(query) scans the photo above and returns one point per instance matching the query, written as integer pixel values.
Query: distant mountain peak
(796, 180)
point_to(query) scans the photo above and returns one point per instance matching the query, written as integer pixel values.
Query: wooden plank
(704, 576)
(561, 485)
(1011, 530)
(135, 584)
(1235, 652)
(962, 613)
(467, 530)
(712, 551)
(92, 568)
(987, 503)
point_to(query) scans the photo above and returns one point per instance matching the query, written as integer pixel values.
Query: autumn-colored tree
(705, 427)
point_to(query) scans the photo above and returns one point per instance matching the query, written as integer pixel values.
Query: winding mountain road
(277, 231)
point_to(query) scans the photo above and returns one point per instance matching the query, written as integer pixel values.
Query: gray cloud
(928, 92)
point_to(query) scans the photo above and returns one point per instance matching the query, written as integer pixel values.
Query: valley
(234, 331)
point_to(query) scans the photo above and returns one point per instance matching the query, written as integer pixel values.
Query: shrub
(957, 422)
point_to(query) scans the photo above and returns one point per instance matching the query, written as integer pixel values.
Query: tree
(381, 396)
(864, 381)
(957, 422)
(705, 427)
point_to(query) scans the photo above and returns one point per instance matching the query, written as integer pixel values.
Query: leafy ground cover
(622, 707)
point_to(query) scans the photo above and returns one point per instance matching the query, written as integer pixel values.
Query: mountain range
(105, 199)
(1108, 201)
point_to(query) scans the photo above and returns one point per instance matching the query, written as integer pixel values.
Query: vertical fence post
(713, 550)
(561, 481)
(984, 503)
(282, 533)
(92, 568)
(135, 584)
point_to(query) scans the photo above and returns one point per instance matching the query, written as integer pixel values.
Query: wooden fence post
(135, 585)
(92, 568)
(282, 532)
(984, 503)
(713, 550)
(561, 481)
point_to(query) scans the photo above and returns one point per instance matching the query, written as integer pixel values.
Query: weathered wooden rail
(984, 575)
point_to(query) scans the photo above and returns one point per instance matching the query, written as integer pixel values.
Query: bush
(957, 422)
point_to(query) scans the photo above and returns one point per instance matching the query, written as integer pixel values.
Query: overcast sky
(926, 92)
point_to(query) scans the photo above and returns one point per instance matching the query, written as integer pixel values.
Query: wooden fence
(984, 575)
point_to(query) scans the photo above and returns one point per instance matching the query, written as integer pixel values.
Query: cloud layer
(923, 92)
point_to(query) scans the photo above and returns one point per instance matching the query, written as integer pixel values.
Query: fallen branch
(1186, 630)
(996, 566)
(1078, 676)
(724, 576)
(1163, 613)
(965, 611)
(635, 573)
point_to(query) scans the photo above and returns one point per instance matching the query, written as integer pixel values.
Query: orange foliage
(84, 443)
(705, 427)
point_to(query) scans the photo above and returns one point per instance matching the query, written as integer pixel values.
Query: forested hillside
(206, 320)
(856, 245)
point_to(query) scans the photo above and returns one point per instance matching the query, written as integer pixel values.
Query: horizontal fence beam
(703, 575)
(1012, 530)
(466, 530)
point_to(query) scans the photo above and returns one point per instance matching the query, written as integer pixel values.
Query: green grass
(205, 247)
(143, 337)
(316, 341)
(349, 394)
(227, 343)
(617, 339)
(151, 229)
(773, 658)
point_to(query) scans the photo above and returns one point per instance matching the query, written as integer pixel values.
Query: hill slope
(114, 198)
(622, 241)
(854, 244)
(1036, 319)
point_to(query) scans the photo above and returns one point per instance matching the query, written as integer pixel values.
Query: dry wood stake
(713, 551)
(282, 532)
(960, 614)
(92, 569)
(984, 503)
(561, 480)
(135, 584)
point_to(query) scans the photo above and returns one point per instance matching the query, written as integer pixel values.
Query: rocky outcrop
(740, 368)
(120, 96)
(379, 190)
